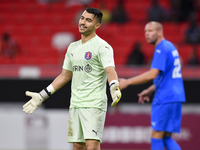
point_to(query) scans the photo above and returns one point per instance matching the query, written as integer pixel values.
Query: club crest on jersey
(88, 55)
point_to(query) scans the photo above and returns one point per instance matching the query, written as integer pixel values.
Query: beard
(153, 42)
(86, 33)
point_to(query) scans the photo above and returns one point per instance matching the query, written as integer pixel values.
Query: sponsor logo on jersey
(87, 68)
(88, 55)
(77, 68)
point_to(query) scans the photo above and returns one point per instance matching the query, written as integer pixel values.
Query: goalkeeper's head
(96, 12)
(90, 21)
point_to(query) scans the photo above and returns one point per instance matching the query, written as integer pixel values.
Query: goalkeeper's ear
(97, 26)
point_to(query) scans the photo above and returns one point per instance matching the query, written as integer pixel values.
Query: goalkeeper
(90, 61)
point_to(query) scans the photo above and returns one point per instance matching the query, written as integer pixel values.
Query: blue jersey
(169, 83)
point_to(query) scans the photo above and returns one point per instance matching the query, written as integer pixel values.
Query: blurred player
(90, 62)
(168, 87)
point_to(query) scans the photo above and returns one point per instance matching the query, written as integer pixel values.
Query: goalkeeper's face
(88, 23)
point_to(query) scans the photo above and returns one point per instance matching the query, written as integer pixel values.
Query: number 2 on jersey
(177, 68)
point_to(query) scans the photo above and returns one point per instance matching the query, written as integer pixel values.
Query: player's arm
(145, 94)
(62, 79)
(111, 74)
(37, 98)
(140, 79)
(114, 85)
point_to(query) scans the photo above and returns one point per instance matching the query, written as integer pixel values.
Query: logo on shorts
(88, 55)
(94, 131)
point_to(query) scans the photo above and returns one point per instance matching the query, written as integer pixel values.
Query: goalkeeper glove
(37, 99)
(115, 92)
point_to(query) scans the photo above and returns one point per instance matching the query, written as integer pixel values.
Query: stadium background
(33, 26)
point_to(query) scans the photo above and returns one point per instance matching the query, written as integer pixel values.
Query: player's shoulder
(166, 45)
(167, 42)
(73, 44)
(102, 43)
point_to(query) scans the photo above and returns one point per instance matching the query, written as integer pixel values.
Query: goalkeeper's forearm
(37, 98)
(58, 82)
(111, 74)
(62, 79)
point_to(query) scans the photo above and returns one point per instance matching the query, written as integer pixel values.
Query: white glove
(115, 92)
(31, 106)
(37, 99)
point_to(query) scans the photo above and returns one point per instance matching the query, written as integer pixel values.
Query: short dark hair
(96, 12)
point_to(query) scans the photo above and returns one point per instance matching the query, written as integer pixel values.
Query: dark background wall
(13, 90)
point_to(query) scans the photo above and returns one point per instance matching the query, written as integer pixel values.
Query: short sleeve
(67, 61)
(106, 56)
(159, 60)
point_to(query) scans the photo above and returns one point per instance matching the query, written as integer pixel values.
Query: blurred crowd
(179, 11)
(8, 46)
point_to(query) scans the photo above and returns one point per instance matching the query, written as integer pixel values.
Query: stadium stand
(32, 25)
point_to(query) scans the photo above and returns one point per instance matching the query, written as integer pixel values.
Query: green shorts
(85, 123)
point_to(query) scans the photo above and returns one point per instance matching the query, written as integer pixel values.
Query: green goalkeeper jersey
(88, 62)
